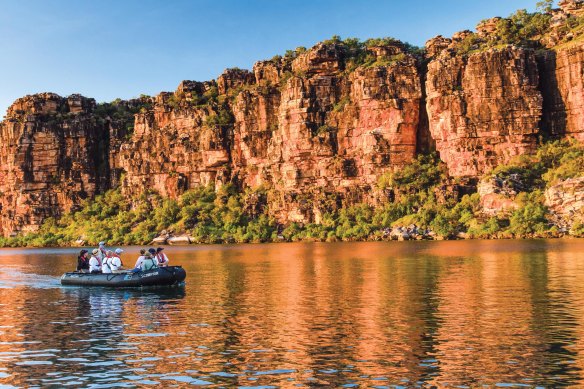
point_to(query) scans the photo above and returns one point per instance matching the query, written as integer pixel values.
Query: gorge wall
(318, 128)
(483, 109)
(53, 155)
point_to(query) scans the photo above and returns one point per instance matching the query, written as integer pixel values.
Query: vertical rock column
(562, 85)
(484, 108)
(387, 99)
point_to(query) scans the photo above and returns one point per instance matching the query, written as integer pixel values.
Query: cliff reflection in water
(448, 313)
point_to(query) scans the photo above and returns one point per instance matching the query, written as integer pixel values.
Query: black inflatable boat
(162, 276)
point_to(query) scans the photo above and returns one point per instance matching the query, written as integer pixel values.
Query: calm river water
(400, 314)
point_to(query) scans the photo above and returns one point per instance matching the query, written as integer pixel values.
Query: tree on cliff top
(545, 6)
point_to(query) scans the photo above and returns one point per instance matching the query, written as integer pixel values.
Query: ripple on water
(186, 379)
(224, 374)
(103, 363)
(275, 372)
(32, 363)
(23, 342)
(257, 387)
(11, 278)
(148, 382)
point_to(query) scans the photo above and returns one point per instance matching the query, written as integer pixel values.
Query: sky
(107, 49)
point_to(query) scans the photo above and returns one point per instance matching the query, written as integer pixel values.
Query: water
(384, 315)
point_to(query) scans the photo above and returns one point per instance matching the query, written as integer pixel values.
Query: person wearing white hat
(94, 264)
(116, 262)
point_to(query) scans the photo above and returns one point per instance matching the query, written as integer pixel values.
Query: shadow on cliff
(554, 116)
(425, 143)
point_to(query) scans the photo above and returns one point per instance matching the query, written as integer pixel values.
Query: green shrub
(222, 118)
(577, 229)
(531, 217)
(340, 106)
(520, 28)
(487, 229)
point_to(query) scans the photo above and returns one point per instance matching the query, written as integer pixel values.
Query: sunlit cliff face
(52, 156)
(315, 124)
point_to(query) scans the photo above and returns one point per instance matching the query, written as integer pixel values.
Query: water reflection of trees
(332, 320)
(557, 303)
(504, 319)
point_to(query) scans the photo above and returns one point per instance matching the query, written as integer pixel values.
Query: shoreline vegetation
(419, 201)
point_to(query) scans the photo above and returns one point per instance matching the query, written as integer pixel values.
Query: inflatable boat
(162, 276)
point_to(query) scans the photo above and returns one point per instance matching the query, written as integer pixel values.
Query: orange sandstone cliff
(318, 127)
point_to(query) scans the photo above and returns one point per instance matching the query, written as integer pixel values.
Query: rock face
(337, 134)
(566, 201)
(317, 127)
(317, 133)
(483, 109)
(498, 194)
(575, 7)
(176, 145)
(563, 90)
(233, 79)
(488, 27)
(255, 124)
(54, 153)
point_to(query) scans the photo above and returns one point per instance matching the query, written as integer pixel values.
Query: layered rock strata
(317, 133)
(53, 154)
(483, 109)
(562, 85)
(317, 127)
(565, 201)
(175, 146)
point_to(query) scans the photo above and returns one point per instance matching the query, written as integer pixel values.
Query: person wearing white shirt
(94, 266)
(106, 263)
(115, 262)
(141, 258)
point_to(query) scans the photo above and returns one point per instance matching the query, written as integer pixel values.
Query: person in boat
(161, 258)
(102, 252)
(83, 261)
(149, 261)
(138, 266)
(105, 264)
(115, 263)
(94, 264)
(152, 252)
